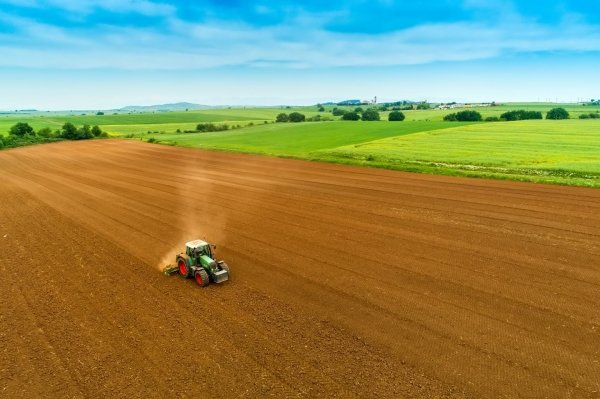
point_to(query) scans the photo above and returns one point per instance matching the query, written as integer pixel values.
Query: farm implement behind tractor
(198, 262)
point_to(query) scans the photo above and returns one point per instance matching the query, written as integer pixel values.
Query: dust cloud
(199, 217)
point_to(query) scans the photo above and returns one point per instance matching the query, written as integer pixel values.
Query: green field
(136, 121)
(300, 140)
(563, 152)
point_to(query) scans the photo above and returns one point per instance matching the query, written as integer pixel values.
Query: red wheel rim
(199, 279)
(182, 268)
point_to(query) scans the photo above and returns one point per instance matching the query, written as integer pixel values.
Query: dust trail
(197, 218)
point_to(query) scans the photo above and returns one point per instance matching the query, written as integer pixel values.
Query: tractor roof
(196, 244)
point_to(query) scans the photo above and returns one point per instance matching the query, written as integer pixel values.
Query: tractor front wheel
(202, 278)
(183, 268)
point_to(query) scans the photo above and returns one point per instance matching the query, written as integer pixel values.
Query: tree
(102, 113)
(69, 131)
(557, 113)
(338, 112)
(1, 142)
(282, 117)
(464, 116)
(396, 116)
(351, 116)
(321, 108)
(84, 132)
(297, 117)
(358, 110)
(370, 115)
(21, 129)
(96, 131)
(423, 105)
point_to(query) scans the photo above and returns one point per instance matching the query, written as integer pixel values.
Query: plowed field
(346, 282)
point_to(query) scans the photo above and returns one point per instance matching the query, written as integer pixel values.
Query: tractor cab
(198, 248)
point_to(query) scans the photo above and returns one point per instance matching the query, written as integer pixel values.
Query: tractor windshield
(204, 250)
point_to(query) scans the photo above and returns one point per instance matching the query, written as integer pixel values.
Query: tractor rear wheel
(184, 270)
(202, 278)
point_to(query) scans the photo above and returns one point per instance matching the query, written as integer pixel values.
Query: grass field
(564, 152)
(300, 140)
(125, 123)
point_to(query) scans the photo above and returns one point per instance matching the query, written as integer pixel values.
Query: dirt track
(348, 282)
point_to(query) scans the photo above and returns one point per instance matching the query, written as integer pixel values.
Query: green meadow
(301, 140)
(562, 152)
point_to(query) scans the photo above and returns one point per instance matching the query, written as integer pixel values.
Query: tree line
(517, 115)
(23, 134)
(369, 114)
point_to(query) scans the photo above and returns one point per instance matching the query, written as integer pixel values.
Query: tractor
(198, 262)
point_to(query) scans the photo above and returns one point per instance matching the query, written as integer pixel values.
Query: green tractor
(198, 262)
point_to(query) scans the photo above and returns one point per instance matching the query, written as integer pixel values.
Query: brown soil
(346, 282)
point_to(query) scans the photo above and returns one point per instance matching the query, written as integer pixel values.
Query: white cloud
(300, 43)
(143, 7)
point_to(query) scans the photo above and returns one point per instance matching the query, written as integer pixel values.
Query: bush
(521, 115)
(396, 116)
(595, 115)
(358, 110)
(103, 135)
(99, 113)
(282, 118)
(450, 117)
(45, 132)
(1, 142)
(211, 127)
(152, 140)
(96, 131)
(9, 141)
(370, 115)
(492, 119)
(338, 112)
(351, 116)
(297, 117)
(423, 105)
(84, 132)
(21, 129)
(321, 108)
(584, 116)
(464, 116)
(557, 113)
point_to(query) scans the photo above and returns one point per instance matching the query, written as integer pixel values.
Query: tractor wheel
(202, 278)
(184, 270)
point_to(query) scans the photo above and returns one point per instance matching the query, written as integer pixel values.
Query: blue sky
(68, 54)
